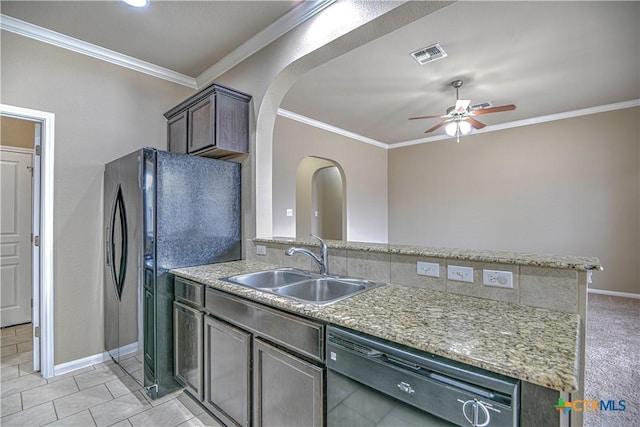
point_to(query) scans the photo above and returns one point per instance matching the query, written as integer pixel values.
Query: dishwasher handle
(355, 347)
(401, 363)
(463, 386)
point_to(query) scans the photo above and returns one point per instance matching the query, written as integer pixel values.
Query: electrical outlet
(501, 279)
(460, 274)
(289, 212)
(261, 250)
(431, 269)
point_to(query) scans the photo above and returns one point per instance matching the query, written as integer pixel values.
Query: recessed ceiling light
(136, 3)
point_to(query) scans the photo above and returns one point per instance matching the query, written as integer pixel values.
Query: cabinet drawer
(298, 334)
(189, 292)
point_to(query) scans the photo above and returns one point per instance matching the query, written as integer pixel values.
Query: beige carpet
(613, 359)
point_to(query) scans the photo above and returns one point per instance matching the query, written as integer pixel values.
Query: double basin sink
(305, 286)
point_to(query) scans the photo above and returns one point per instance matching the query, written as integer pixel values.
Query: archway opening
(320, 199)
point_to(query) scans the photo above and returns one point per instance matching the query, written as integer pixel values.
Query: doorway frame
(309, 185)
(43, 283)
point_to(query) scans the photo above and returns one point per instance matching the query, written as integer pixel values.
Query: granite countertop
(581, 263)
(535, 345)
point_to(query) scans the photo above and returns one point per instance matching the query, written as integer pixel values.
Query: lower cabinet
(187, 340)
(263, 366)
(227, 372)
(287, 391)
(248, 364)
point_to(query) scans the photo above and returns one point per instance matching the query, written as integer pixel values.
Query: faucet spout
(321, 260)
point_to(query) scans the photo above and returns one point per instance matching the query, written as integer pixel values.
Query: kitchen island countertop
(531, 344)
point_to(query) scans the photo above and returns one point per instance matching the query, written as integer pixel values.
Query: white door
(15, 236)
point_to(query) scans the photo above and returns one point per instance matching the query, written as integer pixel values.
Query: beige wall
(366, 181)
(328, 189)
(16, 132)
(102, 111)
(569, 187)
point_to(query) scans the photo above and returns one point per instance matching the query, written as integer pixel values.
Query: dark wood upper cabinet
(213, 123)
(177, 133)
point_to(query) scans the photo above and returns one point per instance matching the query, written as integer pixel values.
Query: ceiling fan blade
(439, 125)
(462, 105)
(474, 123)
(425, 117)
(498, 109)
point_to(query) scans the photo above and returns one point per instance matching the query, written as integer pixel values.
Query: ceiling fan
(459, 118)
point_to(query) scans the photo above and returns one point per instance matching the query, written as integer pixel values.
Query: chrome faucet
(322, 261)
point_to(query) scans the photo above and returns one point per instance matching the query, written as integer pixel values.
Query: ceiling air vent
(428, 54)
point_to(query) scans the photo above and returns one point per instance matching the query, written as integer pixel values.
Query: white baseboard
(614, 293)
(73, 365)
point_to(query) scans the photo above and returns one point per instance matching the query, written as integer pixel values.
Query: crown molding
(491, 128)
(35, 32)
(527, 122)
(321, 125)
(296, 16)
(284, 24)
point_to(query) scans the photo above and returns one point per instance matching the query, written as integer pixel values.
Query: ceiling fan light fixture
(137, 3)
(457, 128)
(464, 126)
(451, 129)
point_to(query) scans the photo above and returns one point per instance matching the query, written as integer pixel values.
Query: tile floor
(100, 395)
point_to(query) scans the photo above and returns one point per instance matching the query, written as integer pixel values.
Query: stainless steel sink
(305, 286)
(321, 290)
(270, 278)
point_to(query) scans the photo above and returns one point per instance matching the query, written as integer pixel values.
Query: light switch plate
(261, 250)
(430, 269)
(289, 212)
(460, 274)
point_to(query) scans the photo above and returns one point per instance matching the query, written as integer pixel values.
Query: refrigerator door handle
(119, 212)
(107, 248)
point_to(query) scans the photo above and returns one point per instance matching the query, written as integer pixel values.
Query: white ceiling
(545, 57)
(184, 36)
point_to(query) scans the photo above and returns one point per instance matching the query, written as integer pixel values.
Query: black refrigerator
(161, 211)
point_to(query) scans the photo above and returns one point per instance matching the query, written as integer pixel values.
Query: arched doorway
(320, 199)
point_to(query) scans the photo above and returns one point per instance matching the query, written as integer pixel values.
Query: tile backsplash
(543, 287)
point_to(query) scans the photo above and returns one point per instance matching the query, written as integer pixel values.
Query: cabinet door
(177, 133)
(201, 124)
(232, 123)
(227, 371)
(187, 338)
(287, 391)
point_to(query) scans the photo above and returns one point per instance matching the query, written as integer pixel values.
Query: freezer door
(131, 278)
(122, 206)
(111, 300)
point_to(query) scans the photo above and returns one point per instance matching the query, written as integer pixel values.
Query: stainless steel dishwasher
(371, 382)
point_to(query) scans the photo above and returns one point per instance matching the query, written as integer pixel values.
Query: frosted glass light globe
(465, 127)
(451, 129)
